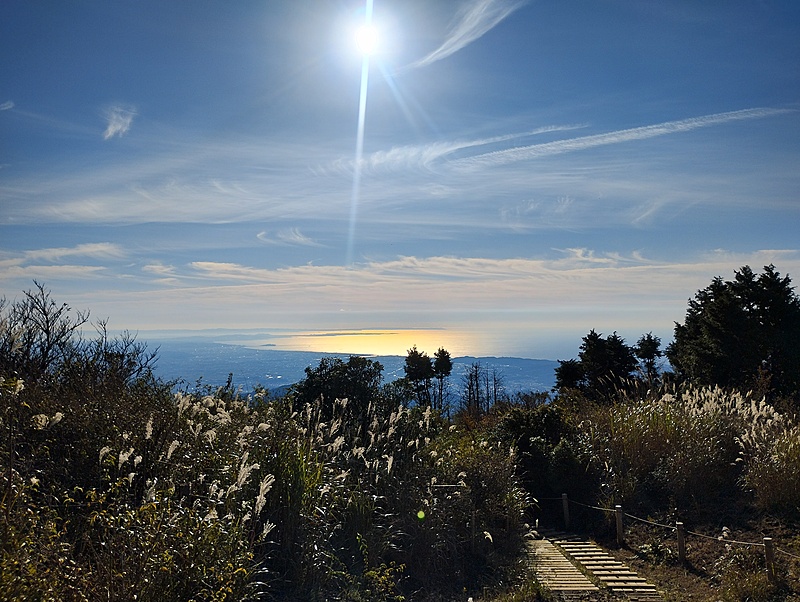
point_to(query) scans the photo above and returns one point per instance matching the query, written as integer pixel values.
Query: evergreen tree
(741, 333)
(570, 375)
(419, 371)
(607, 363)
(648, 351)
(442, 368)
(604, 365)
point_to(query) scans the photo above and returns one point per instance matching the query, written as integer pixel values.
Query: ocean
(193, 360)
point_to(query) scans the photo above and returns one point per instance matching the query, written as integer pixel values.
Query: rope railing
(789, 554)
(724, 539)
(649, 522)
(767, 544)
(610, 510)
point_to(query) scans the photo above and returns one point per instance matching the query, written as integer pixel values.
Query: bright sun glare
(366, 39)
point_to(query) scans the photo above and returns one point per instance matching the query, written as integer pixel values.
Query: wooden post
(620, 530)
(769, 554)
(565, 504)
(681, 542)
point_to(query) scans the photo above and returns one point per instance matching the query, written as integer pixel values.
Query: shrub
(670, 450)
(114, 487)
(773, 469)
(742, 578)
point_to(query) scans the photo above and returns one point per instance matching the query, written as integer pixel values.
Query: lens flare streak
(362, 110)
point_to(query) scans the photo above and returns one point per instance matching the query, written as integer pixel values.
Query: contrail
(428, 155)
(472, 22)
(522, 153)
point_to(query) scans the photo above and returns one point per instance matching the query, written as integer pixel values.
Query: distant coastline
(193, 359)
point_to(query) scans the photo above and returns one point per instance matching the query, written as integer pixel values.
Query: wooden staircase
(573, 568)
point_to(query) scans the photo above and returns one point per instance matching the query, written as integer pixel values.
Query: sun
(366, 39)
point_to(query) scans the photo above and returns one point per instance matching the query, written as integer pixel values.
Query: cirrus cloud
(118, 121)
(473, 21)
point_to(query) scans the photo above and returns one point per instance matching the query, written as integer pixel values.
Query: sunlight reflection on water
(373, 342)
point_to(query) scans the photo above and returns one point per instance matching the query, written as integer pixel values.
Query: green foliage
(742, 334)
(371, 485)
(668, 450)
(648, 351)
(740, 572)
(356, 380)
(604, 367)
(773, 466)
(419, 372)
(442, 368)
(548, 463)
(114, 487)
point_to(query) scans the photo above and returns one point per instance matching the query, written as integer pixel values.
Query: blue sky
(528, 170)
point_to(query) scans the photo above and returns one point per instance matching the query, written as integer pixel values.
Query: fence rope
(672, 528)
(725, 540)
(590, 506)
(649, 522)
(789, 554)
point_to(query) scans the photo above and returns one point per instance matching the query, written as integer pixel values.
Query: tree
(481, 390)
(604, 366)
(741, 333)
(36, 334)
(607, 363)
(569, 375)
(358, 380)
(419, 371)
(442, 368)
(648, 350)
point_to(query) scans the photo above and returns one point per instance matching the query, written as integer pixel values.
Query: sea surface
(193, 361)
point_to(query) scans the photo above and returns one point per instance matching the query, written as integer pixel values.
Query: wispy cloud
(426, 156)
(99, 250)
(118, 121)
(580, 274)
(48, 263)
(576, 289)
(473, 20)
(425, 184)
(522, 153)
(50, 273)
(291, 236)
(163, 274)
(7, 105)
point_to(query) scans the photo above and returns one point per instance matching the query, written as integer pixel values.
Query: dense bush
(114, 487)
(771, 449)
(668, 450)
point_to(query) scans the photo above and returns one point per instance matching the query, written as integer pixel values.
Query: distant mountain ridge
(190, 360)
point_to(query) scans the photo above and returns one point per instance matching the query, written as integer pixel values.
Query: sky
(497, 177)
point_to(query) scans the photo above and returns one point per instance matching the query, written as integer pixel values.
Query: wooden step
(608, 571)
(555, 571)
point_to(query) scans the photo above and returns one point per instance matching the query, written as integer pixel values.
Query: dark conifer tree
(741, 333)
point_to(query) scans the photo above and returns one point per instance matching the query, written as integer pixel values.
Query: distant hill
(191, 359)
